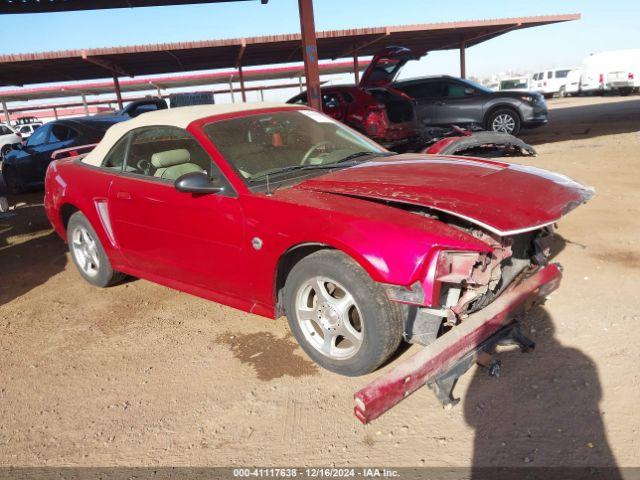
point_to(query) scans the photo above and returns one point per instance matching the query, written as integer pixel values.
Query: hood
(503, 198)
(385, 66)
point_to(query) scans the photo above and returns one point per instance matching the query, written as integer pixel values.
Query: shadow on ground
(30, 251)
(543, 411)
(587, 121)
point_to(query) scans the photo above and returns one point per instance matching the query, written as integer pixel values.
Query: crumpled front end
(464, 282)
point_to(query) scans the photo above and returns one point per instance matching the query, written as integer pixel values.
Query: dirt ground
(140, 374)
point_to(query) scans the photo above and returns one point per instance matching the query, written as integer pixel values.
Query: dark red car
(277, 209)
(372, 107)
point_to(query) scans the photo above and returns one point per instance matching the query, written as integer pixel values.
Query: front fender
(392, 245)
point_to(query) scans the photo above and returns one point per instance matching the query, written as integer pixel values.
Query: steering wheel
(307, 156)
(144, 166)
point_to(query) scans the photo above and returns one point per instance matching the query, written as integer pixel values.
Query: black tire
(511, 113)
(12, 181)
(562, 92)
(105, 275)
(4, 151)
(381, 320)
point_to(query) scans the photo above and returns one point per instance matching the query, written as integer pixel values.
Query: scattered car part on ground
(444, 100)
(359, 247)
(442, 362)
(457, 141)
(373, 107)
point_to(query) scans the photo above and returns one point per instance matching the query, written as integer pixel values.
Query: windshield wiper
(277, 171)
(343, 162)
(353, 156)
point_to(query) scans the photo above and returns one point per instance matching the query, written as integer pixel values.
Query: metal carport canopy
(50, 6)
(171, 81)
(70, 65)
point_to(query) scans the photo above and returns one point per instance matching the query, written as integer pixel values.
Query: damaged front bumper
(438, 360)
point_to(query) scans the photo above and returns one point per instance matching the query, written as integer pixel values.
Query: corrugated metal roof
(134, 60)
(171, 81)
(40, 6)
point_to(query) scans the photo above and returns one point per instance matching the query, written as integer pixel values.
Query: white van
(614, 71)
(550, 82)
(573, 85)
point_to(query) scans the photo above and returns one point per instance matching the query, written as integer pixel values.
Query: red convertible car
(277, 209)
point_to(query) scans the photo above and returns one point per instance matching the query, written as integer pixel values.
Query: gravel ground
(141, 375)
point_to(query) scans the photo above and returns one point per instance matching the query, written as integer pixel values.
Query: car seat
(172, 164)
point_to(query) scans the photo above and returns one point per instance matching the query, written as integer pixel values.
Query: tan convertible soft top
(178, 117)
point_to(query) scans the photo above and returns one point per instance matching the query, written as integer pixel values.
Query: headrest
(170, 158)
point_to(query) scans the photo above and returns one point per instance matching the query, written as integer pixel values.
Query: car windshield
(271, 145)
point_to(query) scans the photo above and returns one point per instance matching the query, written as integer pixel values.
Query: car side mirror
(198, 182)
(469, 91)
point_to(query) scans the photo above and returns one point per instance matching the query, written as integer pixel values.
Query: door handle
(123, 196)
(439, 103)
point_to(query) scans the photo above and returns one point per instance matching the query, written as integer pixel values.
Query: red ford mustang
(278, 209)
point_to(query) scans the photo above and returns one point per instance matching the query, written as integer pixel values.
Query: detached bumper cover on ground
(389, 389)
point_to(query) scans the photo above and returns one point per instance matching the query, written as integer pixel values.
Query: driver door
(192, 239)
(460, 104)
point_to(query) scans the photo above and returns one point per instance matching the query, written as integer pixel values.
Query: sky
(605, 25)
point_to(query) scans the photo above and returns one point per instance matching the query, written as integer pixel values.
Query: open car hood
(385, 66)
(504, 198)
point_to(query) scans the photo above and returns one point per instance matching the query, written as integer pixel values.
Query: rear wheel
(340, 317)
(88, 254)
(504, 120)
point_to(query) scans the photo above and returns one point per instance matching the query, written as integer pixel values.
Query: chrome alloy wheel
(329, 318)
(85, 251)
(504, 123)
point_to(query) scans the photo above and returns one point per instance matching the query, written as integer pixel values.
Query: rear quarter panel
(70, 183)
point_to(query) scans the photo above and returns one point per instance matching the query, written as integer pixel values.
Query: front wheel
(88, 254)
(504, 120)
(340, 317)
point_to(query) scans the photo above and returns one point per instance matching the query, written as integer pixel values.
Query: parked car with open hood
(373, 107)
(279, 210)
